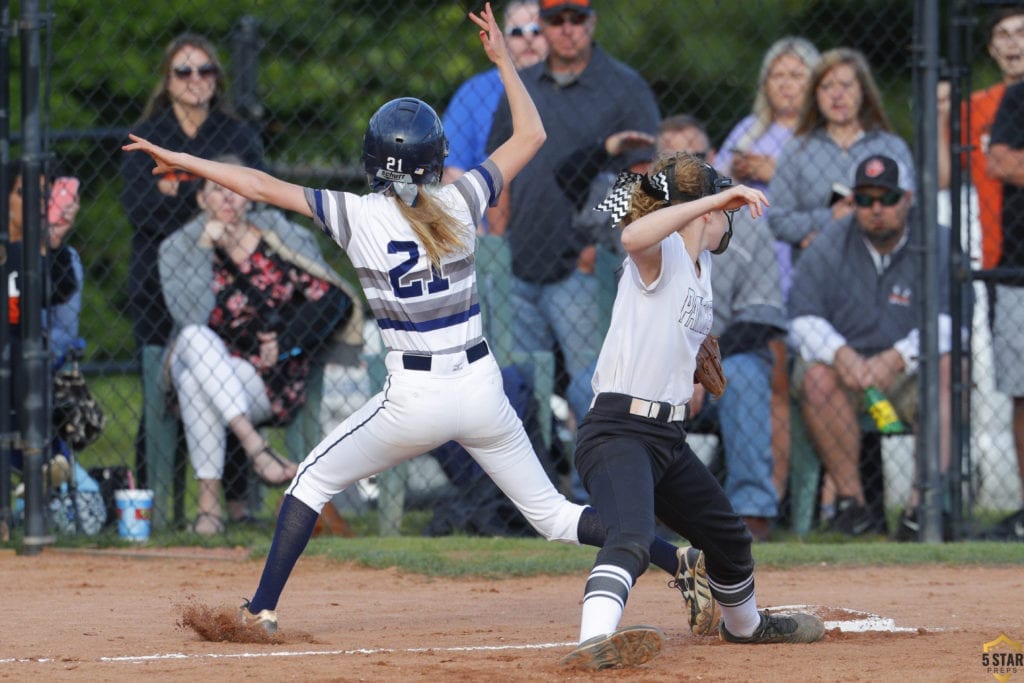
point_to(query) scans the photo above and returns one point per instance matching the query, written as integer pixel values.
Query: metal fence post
(34, 418)
(245, 53)
(926, 62)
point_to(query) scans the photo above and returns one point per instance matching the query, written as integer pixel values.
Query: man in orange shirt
(1006, 46)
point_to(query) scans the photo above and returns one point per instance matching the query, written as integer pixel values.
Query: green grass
(500, 557)
(120, 396)
(457, 556)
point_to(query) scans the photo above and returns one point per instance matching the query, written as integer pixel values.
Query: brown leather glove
(709, 370)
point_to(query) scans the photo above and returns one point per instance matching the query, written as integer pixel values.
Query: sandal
(208, 524)
(272, 469)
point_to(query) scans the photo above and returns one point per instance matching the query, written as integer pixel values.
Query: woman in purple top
(752, 147)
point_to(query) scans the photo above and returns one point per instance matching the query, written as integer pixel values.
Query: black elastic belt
(414, 361)
(655, 410)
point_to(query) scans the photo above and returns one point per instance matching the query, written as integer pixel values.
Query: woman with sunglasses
(842, 121)
(631, 449)
(187, 110)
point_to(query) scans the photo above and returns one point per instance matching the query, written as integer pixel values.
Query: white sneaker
(265, 618)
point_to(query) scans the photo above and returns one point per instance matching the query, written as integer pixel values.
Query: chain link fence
(304, 79)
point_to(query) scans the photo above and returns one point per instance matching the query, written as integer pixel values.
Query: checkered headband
(619, 198)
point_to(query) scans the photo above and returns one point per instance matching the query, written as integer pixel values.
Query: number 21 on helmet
(404, 143)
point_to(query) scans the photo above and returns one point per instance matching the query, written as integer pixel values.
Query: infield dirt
(120, 617)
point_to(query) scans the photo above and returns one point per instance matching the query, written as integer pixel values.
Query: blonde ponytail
(435, 228)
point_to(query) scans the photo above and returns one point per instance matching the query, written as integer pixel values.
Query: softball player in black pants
(631, 449)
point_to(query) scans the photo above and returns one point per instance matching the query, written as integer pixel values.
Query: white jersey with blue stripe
(417, 308)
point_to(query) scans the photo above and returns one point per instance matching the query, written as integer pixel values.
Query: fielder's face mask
(662, 185)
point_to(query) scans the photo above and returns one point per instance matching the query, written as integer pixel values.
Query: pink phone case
(63, 193)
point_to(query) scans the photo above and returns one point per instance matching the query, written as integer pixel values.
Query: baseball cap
(552, 8)
(878, 171)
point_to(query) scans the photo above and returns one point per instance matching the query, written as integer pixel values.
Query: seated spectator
(853, 322)
(78, 507)
(748, 313)
(189, 107)
(60, 317)
(252, 306)
(749, 154)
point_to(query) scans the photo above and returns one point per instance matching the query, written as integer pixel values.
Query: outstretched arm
(248, 182)
(527, 129)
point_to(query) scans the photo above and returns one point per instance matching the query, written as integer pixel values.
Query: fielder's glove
(709, 370)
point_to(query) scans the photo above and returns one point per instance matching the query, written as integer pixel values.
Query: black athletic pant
(637, 467)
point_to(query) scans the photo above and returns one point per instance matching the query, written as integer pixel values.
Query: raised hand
(490, 35)
(739, 196)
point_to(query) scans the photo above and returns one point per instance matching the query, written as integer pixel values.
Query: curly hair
(691, 182)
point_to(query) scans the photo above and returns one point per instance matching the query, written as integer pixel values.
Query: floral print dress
(266, 293)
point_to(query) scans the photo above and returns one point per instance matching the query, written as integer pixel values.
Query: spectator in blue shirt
(467, 120)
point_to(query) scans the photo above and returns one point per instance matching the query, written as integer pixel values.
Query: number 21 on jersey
(403, 287)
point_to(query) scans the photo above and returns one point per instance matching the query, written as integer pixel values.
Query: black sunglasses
(205, 71)
(890, 198)
(532, 29)
(574, 18)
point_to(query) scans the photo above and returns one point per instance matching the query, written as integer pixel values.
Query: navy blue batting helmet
(404, 143)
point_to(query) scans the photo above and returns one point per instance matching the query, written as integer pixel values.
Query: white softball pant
(213, 387)
(419, 410)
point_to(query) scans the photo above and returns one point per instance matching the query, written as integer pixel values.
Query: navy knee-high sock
(590, 531)
(294, 528)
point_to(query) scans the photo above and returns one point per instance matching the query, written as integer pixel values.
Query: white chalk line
(863, 622)
(358, 651)
(303, 653)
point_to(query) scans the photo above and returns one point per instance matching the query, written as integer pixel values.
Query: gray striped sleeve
(329, 214)
(487, 177)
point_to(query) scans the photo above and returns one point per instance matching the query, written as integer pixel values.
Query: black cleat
(781, 628)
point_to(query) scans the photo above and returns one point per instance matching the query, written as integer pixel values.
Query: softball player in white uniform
(412, 243)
